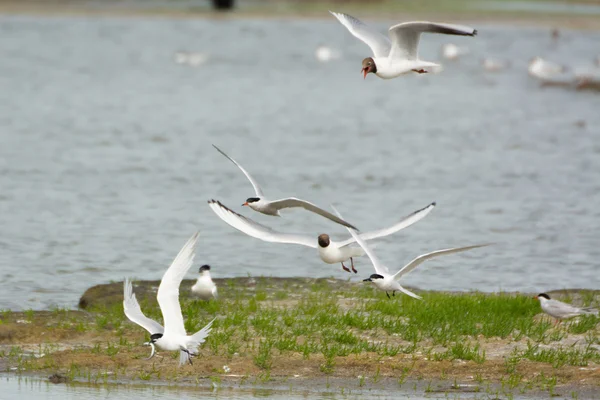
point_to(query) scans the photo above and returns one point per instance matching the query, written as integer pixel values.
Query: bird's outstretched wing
(256, 230)
(292, 202)
(404, 223)
(424, 257)
(168, 290)
(134, 312)
(379, 44)
(405, 36)
(257, 188)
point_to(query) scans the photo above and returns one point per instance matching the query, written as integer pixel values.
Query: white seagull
(560, 310)
(389, 283)
(399, 55)
(544, 70)
(330, 252)
(173, 335)
(272, 207)
(204, 287)
(451, 51)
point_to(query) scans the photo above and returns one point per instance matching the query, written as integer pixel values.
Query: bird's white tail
(194, 341)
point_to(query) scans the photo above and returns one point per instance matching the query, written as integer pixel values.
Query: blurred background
(108, 110)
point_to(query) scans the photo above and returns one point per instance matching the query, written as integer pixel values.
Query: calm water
(106, 160)
(34, 389)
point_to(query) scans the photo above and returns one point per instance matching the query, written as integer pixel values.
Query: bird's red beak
(245, 204)
(535, 297)
(365, 71)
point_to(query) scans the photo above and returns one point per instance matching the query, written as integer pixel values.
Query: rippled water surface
(106, 161)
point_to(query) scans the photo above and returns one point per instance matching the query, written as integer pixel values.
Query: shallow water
(106, 160)
(34, 389)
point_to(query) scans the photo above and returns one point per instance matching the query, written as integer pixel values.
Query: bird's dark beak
(245, 204)
(365, 71)
(368, 280)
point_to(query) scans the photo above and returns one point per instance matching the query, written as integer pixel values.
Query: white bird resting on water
(398, 56)
(560, 310)
(451, 51)
(382, 278)
(330, 252)
(172, 336)
(204, 287)
(547, 72)
(272, 207)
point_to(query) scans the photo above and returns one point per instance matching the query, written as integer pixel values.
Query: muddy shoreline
(308, 334)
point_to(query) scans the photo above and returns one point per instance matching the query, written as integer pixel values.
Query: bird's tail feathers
(590, 310)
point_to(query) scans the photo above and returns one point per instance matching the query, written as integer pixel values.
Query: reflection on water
(34, 389)
(106, 161)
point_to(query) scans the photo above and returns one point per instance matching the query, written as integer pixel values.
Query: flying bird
(382, 278)
(272, 207)
(172, 336)
(329, 251)
(397, 55)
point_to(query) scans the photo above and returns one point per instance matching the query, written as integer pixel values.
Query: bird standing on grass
(205, 288)
(560, 310)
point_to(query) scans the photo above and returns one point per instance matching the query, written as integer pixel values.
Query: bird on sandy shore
(382, 278)
(398, 56)
(330, 252)
(172, 336)
(204, 287)
(560, 310)
(272, 207)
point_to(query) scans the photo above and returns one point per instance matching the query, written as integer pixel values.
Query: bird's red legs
(353, 269)
(420, 71)
(345, 268)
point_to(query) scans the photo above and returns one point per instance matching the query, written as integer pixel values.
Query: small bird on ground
(173, 335)
(398, 56)
(560, 310)
(205, 288)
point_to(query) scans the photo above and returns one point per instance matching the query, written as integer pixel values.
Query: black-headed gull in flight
(560, 310)
(204, 287)
(389, 283)
(272, 207)
(173, 335)
(398, 56)
(330, 252)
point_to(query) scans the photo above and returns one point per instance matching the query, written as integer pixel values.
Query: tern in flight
(390, 283)
(172, 336)
(272, 207)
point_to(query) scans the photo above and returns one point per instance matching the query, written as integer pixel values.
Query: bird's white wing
(564, 310)
(404, 223)
(293, 202)
(379, 44)
(424, 257)
(257, 188)
(405, 37)
(256, 230)
(134, 312)
(168, 290)
(379, 267)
